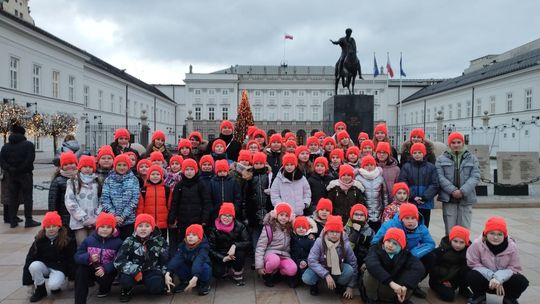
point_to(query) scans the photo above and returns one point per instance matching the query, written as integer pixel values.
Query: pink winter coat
(500, 267)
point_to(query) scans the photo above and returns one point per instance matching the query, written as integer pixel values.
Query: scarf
(191, 247)
(162, 149)
(332, 257)
(345, 186)
(51, 237)
(496, 249)
(396, 250)
(68, 174)
(371, 175)
(87, 178)
(222, 227)
(292, 176)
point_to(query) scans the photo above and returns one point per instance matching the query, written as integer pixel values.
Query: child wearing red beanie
(328, 145)
(185, 148)
(343, 140)
(275, 153)
(142, 169)
(358, 232)
(57, 188)
(304, 162)
(121, 143)
(302, 240)
(253, 146)
(389, 165)
(225, 188)
(206, 163)
(158, 144)
(417, 136)
(367, 148)
(400, 195)
(231, 147)
(155, 198)
(345, 192)
(370, 176)
(105, 158)
(198, 144)
(291, 186)
(322, 211)
(493, 258)
(352, 157)
(50, 256)
(173, 174)
(336, 158)
(318, 181)
(314, 148)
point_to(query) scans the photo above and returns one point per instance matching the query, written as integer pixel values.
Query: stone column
(440, 131)
(189, 123)
(145, 130)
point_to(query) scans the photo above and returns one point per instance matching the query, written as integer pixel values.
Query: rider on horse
(348, 46)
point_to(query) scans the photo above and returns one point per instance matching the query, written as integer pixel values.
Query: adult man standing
(17, 161)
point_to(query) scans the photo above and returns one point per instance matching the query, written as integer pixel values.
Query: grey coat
(375, 195)
(469, 176)
(296, 193)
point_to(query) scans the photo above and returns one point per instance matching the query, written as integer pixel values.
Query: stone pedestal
(355, 110)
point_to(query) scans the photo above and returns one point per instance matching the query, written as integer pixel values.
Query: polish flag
(389, 67)
(288, 36)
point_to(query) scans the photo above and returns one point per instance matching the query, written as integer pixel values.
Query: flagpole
(387, 79)
(373, 80)
(400, 116)
(284, 39)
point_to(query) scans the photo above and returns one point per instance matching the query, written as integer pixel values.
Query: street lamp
(7, 100)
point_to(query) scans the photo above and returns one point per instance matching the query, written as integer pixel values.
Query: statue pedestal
(354, 110)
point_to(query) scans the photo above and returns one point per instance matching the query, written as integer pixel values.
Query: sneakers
(102, 294)
(31, 223)
(203, 289)
(419, 293)
(238, 280)
(314, 290)
(125, 294)
(39, 293)
(477, 299)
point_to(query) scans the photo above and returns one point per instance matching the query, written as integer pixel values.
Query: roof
(278, 70)
(492, 70)
(93, 60)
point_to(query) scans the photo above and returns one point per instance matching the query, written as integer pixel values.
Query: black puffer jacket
(221, 242)
(191, 203)
(258, 202)
(233, 147)
(341, 201)
(274, 160)
(225, 189)
(318, 185)
(117, 149)
(450, 263)
(57, 192)
(300, 247)
(17, 156)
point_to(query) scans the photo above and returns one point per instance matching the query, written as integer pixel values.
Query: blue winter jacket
(120, 196)
(419, 241)
(225, 189)
(194, 258)
(423, 181)
(106, 248)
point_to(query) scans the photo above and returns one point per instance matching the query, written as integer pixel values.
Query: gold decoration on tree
(11, 114)
(244, 119)
(58, 125)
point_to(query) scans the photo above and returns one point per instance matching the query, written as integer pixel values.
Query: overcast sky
(158, 40)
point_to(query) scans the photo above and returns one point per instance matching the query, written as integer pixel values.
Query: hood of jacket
(16, 138)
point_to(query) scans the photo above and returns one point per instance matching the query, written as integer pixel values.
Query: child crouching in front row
(301, 242)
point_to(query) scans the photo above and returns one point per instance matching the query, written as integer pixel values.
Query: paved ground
(15, 242)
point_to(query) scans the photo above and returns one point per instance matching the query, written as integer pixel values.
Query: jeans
(311, 278)
(40, 271)
(86, 274)
(185, 273)
(153, 280)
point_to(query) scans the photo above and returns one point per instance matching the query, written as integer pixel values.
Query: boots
(39, 293)
(314, 290)
(125, 294)
(268, 280)
(31, 223)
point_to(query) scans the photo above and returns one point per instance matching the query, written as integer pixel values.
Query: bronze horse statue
(348, 65)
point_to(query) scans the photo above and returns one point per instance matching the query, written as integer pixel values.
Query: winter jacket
(102, 174)
(360, 240)
(280, 242)
(258, 201)
(233, 147)
(419, 241)
(206, 177)
(193, 257)
(57, 195)
(404, 268)
(82, 202)
(17, 156)
(106, 248)
(406, 154)
(390, 173)
(220, 241)
(171, 179)
(469, 176)
(317, 258)
(300, 248)
(375, 190)
(191, 203)
(155, 199)
(225, 189)
(450, 263)
(342, 202)
(120, 196)
(274, 160)
(501, 266)
(117, 149)
(295, 192)
(200, 150)
(138, 255)
(67, 146)
(423, 181)
(45, 251)
(318, 185)
(333, 173)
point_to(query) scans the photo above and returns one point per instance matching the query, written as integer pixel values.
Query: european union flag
(375, 67)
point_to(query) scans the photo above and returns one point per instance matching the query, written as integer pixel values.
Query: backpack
(269, 234)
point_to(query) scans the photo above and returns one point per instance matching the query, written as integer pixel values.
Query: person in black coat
(229, 244)
(258, 202)
(301, 243)
(224, 188)
(121, 143)
(318, 181)
(17, 162)
(226, 134)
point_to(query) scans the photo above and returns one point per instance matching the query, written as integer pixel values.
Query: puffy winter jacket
(406, 154)
(258, 202)
(155, 199)
(295, 192)
(120, 196)
(341, 201)
(191, 203)
(105, 248)
(360, 240)
(82, 202)
(220, 241)
(450, 263)
(318, 185)
(501, 266)
(469, 176)
(137, 255)
(280, 242)
(374, 193)
(194, 257)
(225, 189)
(117, 149)
(274, 160)
(419, 241)
(17, 156)
(232, 149)
(57, 195)
(390, 173)
(300, 248)
(423, 181)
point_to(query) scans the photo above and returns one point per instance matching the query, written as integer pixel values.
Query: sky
(156, 41)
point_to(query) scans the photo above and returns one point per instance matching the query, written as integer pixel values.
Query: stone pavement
(522, 223)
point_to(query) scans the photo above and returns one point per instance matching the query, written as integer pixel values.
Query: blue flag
(401, 71)
(375, 68)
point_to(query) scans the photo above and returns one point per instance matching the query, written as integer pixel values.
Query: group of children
(352, 217)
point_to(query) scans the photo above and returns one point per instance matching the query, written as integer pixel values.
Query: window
(478, 107)
(434, 114)
(301, 93)
(329, 93)
(509, 102)
(468, 109)
(450, 112)
(315, 94)
(37, 143)
(36, 78)
(416, 117)
(286, 115)
(272, 93)
(375, 92)
(100, 102)
(86, 98)
(459, 110)
(120, 104)
(315, 114)
(197, 92)
(14, 73)
(492, 104)
(211, 113)
(258, 93)
(528, 99)
(112, 103)
(257, 113)
(197, 113)
(301, 113)
(225, 113)
(271, 116)
(211, 92)
(286, 93)
(376, 110)
(55, 84)
(224, 92)
(71, 88)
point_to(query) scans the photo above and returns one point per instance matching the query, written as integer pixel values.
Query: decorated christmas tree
(244, 119)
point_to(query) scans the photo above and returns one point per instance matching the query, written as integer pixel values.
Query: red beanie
(383, 146)
(227, 208)
(460, 232)
(321, 160)
(259, 132)
(87, 161)
(418, 132)
(195, 134)
(155, 168)
(496, 223)
(346, 169)
(312, 140)
(206, 159)
(368, 160)
(455, 135)
(329, 140)
(289, 136)
(190, 163)
(408, 209)
(105, 219)
(195, 229)
(158, 135)
(398, 186)
(319, 134)
(276, 137)
(131, 153)
(251, 130)
(142, 162)
(156, 155)
(358, 207)
(67, 158)
(301, 221)
(381, 128)
(259, 157)
(334, 223)
(184, 143)
(338, 153)
(253, 142)
(290, 158)
(283, 208)
(222, 165)
(300, 149)
(176, 158)
(145, 218)
(397, 235)
(219, 142)
(244, 155)
(121, 132)
(51, 218)
(122, 158)
(340, 124)
(353, 150)
(418, 147)
(324, 203)
(363, 135)
(342, 135)
(365, 143)
(227, 124)
(290, 144)
(105, 150)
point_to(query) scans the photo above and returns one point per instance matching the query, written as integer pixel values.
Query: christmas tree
(244, 119)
